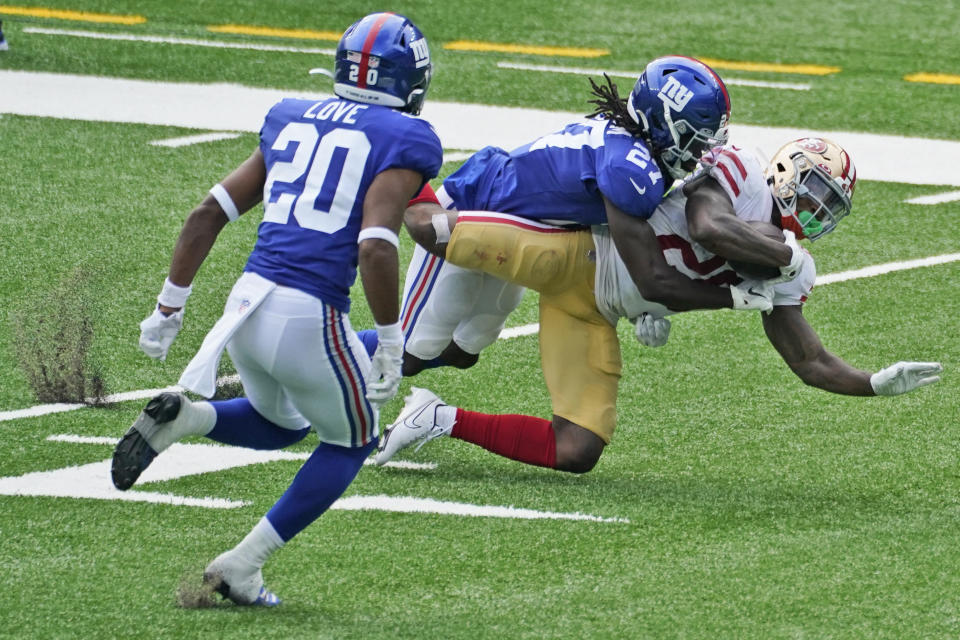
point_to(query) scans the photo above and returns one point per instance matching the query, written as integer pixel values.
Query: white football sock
(259, 544)
(194, 419)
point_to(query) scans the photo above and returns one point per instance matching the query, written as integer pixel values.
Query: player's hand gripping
(752, 295)
(792, 270)
(904, 376)
(387, 362)
(651, 331)
(157, 332)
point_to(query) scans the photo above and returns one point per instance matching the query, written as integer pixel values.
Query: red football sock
(523, 438)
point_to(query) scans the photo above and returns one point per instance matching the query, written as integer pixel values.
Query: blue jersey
(563, 176)
(321, 158)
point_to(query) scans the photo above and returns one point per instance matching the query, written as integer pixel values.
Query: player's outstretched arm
(800, 347)
(232, 197)
(378, 263)
(657, 281)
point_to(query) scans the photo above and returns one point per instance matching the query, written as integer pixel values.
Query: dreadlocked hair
(614, 108)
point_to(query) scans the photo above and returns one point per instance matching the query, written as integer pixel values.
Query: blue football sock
(239, 424)
(321, 480)
(369, 339)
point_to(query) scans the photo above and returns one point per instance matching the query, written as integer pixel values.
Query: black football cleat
(133, 454)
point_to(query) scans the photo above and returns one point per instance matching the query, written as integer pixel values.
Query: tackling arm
(714, 225)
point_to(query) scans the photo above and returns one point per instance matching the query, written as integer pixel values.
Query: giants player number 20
(305, 136)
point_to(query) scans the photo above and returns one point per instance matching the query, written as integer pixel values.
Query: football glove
(157, 332)
(752, 295)
(792, 270)
(904, 376)
(650, 331)
(386, 365)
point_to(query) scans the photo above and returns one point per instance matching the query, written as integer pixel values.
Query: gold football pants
(579, 349)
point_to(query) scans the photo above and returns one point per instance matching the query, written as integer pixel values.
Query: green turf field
(734, 501)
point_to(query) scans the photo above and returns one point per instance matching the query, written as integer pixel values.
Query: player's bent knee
(578, 449)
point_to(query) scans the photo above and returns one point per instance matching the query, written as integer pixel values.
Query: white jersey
(740, 175)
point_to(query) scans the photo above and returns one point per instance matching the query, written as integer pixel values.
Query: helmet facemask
(689, 144)
(812, 197)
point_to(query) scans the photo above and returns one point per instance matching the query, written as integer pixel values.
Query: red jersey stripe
(425, 277)
(511, 221)
(729, 177)
(736, 160)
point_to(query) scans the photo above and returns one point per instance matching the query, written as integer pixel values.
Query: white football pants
(301, 364)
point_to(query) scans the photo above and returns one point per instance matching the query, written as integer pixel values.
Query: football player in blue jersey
(334, 176)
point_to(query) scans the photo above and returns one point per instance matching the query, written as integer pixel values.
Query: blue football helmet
(684, 106)
(383, 59)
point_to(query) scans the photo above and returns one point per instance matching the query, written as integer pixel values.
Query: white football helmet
(812, 181)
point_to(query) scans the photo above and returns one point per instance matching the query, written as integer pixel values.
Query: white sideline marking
(939, 198)
(133, 37)
(795, 86)
(197, 139)
(227, 107)
(506, 334)
(522, 330)
(180, 460)
(880, 269)
(406, 504)
(456, 156)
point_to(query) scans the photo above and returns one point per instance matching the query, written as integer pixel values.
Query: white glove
(157, 332)
(904, 376)
(792, 270)
(752, 294)
(387, 362)
(650, 331)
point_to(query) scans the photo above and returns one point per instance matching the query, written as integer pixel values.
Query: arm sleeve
(628, 177)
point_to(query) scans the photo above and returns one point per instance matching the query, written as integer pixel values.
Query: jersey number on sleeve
(304, 205)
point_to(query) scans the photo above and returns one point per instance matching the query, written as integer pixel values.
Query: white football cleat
(417, 421)
(239, 581)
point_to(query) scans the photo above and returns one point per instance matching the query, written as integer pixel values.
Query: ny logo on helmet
(420, 52)
(674, 94)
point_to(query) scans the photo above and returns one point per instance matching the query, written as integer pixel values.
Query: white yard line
(93, 481)
(185, 141)
(794, 86)
(938, 198)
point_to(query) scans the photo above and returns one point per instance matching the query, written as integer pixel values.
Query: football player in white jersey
(334, 176)
(611, 168)
(806, 190)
